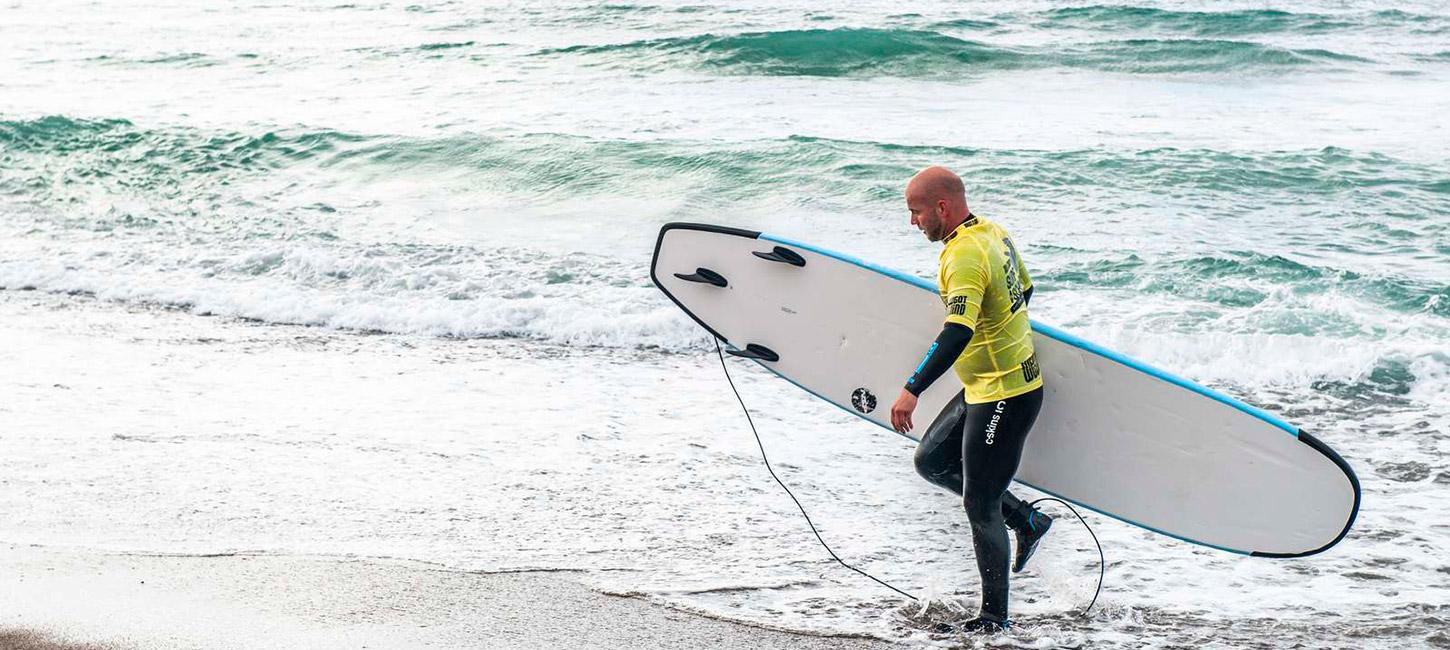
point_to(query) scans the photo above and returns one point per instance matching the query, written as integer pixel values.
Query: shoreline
(80, 598)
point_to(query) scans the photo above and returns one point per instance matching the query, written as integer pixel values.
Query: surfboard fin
(753, 351)
(783, 255)
(705, 276)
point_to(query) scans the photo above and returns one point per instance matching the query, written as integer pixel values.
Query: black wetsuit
(973, 450)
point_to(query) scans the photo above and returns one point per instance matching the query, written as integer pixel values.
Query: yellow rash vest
(982, 284)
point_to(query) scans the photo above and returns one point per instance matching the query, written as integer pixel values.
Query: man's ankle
(1021, 518)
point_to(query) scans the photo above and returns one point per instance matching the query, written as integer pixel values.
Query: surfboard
(1115, 435)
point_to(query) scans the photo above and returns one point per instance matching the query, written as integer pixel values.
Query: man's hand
(901, 412)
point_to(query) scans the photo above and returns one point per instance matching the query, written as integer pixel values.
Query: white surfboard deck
(1114, 435)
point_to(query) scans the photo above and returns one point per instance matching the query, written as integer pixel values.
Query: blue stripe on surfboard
(1048, 492)
(1059, 335)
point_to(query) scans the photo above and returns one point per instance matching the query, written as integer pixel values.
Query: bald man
(974, 445)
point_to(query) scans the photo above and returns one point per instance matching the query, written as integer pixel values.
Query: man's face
(926, 215)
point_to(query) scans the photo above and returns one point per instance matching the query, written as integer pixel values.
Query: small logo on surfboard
(863, 400)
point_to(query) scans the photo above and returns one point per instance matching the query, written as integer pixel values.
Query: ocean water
(422, 211)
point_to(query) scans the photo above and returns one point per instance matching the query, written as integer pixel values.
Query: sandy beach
(241, 601)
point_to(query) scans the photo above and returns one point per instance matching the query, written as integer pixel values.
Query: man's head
(937, 200)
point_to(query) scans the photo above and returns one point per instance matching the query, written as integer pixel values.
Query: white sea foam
(459, 295)
(588, 300)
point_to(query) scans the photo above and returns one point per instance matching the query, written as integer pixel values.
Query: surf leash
(1102, 562)
(763, 456)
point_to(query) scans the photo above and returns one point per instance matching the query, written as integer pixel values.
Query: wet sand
(77, 597)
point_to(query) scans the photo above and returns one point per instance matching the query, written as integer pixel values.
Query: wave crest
(912, 53)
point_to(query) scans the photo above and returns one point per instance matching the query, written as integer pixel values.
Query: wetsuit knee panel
(931, 462)
(938, 456)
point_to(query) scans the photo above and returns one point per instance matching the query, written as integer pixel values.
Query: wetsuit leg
(939, 460)
(993, 435)
(939, 454)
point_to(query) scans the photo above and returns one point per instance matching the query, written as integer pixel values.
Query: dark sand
(70, 599)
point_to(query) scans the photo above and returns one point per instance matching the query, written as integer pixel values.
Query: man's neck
(968, 219)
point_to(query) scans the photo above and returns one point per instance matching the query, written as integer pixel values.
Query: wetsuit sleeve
(939, 357)
(1022, 273)
(965, 278)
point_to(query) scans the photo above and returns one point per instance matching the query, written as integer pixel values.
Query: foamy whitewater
(372, 280)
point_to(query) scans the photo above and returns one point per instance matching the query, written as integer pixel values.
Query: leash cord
(783, 486)
(1102, 561)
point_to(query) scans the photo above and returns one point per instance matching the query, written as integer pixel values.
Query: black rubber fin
(705, 276)
(783, 255)
(753, 351)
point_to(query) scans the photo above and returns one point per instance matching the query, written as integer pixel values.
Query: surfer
(975, 444)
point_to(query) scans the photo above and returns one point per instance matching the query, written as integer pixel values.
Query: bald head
(937, 183)
(937, 199)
